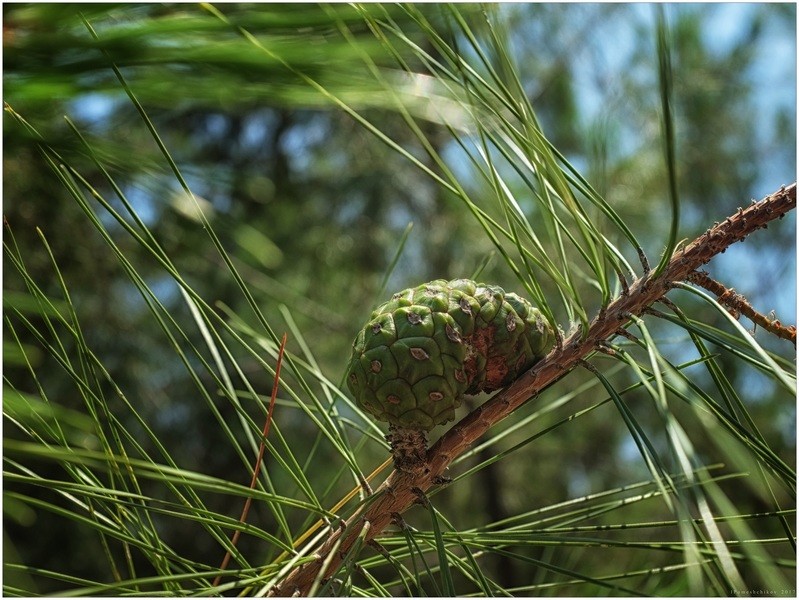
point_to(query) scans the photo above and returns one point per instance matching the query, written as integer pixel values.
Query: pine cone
(425, 348)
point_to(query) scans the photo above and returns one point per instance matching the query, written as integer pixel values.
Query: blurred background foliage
(313, 208)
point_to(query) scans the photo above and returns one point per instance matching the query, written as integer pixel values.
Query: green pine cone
(425, 348)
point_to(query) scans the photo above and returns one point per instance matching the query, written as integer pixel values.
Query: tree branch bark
(738, 305)
(401, 489)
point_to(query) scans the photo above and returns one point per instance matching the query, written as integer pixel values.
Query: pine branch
(402, 489)
(739, 305)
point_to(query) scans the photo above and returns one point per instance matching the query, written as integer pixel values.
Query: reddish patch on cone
(496, 372)
(497, 369)
(478, 344)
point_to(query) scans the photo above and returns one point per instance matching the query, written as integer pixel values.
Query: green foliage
(265, 168)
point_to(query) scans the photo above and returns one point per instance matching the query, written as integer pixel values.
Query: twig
(643, 292)
(245, 511)
(739, 305)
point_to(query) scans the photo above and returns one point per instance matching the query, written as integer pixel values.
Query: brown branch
(401, 489)
(257, 467)
(739, 305)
